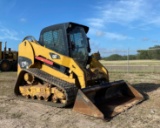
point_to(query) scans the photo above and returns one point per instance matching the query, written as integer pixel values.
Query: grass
(146, 66)
(132, 62)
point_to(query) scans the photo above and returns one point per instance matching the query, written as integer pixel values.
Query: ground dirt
(15, 113)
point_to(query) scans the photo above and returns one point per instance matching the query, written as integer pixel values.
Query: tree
(114, 57)
(154, 52)
(143, 54)
(151, 53)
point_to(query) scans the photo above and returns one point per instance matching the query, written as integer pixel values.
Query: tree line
(151, 53)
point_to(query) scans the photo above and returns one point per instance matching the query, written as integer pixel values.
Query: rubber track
(69, 89)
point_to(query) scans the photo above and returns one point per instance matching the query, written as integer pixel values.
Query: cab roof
(64, 26)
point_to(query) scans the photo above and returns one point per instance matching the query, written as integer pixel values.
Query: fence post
(128, 61)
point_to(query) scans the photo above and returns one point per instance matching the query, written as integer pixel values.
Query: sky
(115, 25)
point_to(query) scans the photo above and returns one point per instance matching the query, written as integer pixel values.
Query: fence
(144, 66)
(133, 68)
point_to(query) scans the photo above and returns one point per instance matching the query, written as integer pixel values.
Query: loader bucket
(107, 100)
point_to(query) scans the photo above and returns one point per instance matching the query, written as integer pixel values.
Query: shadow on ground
(145, 88)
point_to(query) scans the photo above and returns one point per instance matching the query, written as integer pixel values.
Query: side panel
(61, 60)
(56, 73)
(31, 50)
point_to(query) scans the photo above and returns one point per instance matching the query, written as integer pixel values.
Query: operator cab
(68, 39)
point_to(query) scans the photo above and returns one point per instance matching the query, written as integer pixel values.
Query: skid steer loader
(57, 70)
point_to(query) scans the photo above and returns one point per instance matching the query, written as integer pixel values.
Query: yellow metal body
(52, 76)
(32, 49)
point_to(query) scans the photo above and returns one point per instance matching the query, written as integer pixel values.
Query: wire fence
(129, 66)
(133, 68)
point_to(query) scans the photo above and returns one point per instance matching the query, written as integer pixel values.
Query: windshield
(54, 40)
(79, 45)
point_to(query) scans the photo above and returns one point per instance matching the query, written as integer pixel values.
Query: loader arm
(96, 64)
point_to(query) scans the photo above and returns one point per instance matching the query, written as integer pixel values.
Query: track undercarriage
(41, 86)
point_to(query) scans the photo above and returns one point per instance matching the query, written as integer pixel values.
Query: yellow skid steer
(57, 70)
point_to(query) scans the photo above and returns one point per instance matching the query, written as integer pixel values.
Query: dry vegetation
(133, 66)
(15, 113)
(132, 62)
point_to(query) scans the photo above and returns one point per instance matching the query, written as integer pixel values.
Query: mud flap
(107, 100)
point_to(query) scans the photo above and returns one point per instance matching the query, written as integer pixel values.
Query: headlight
(54, 56)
